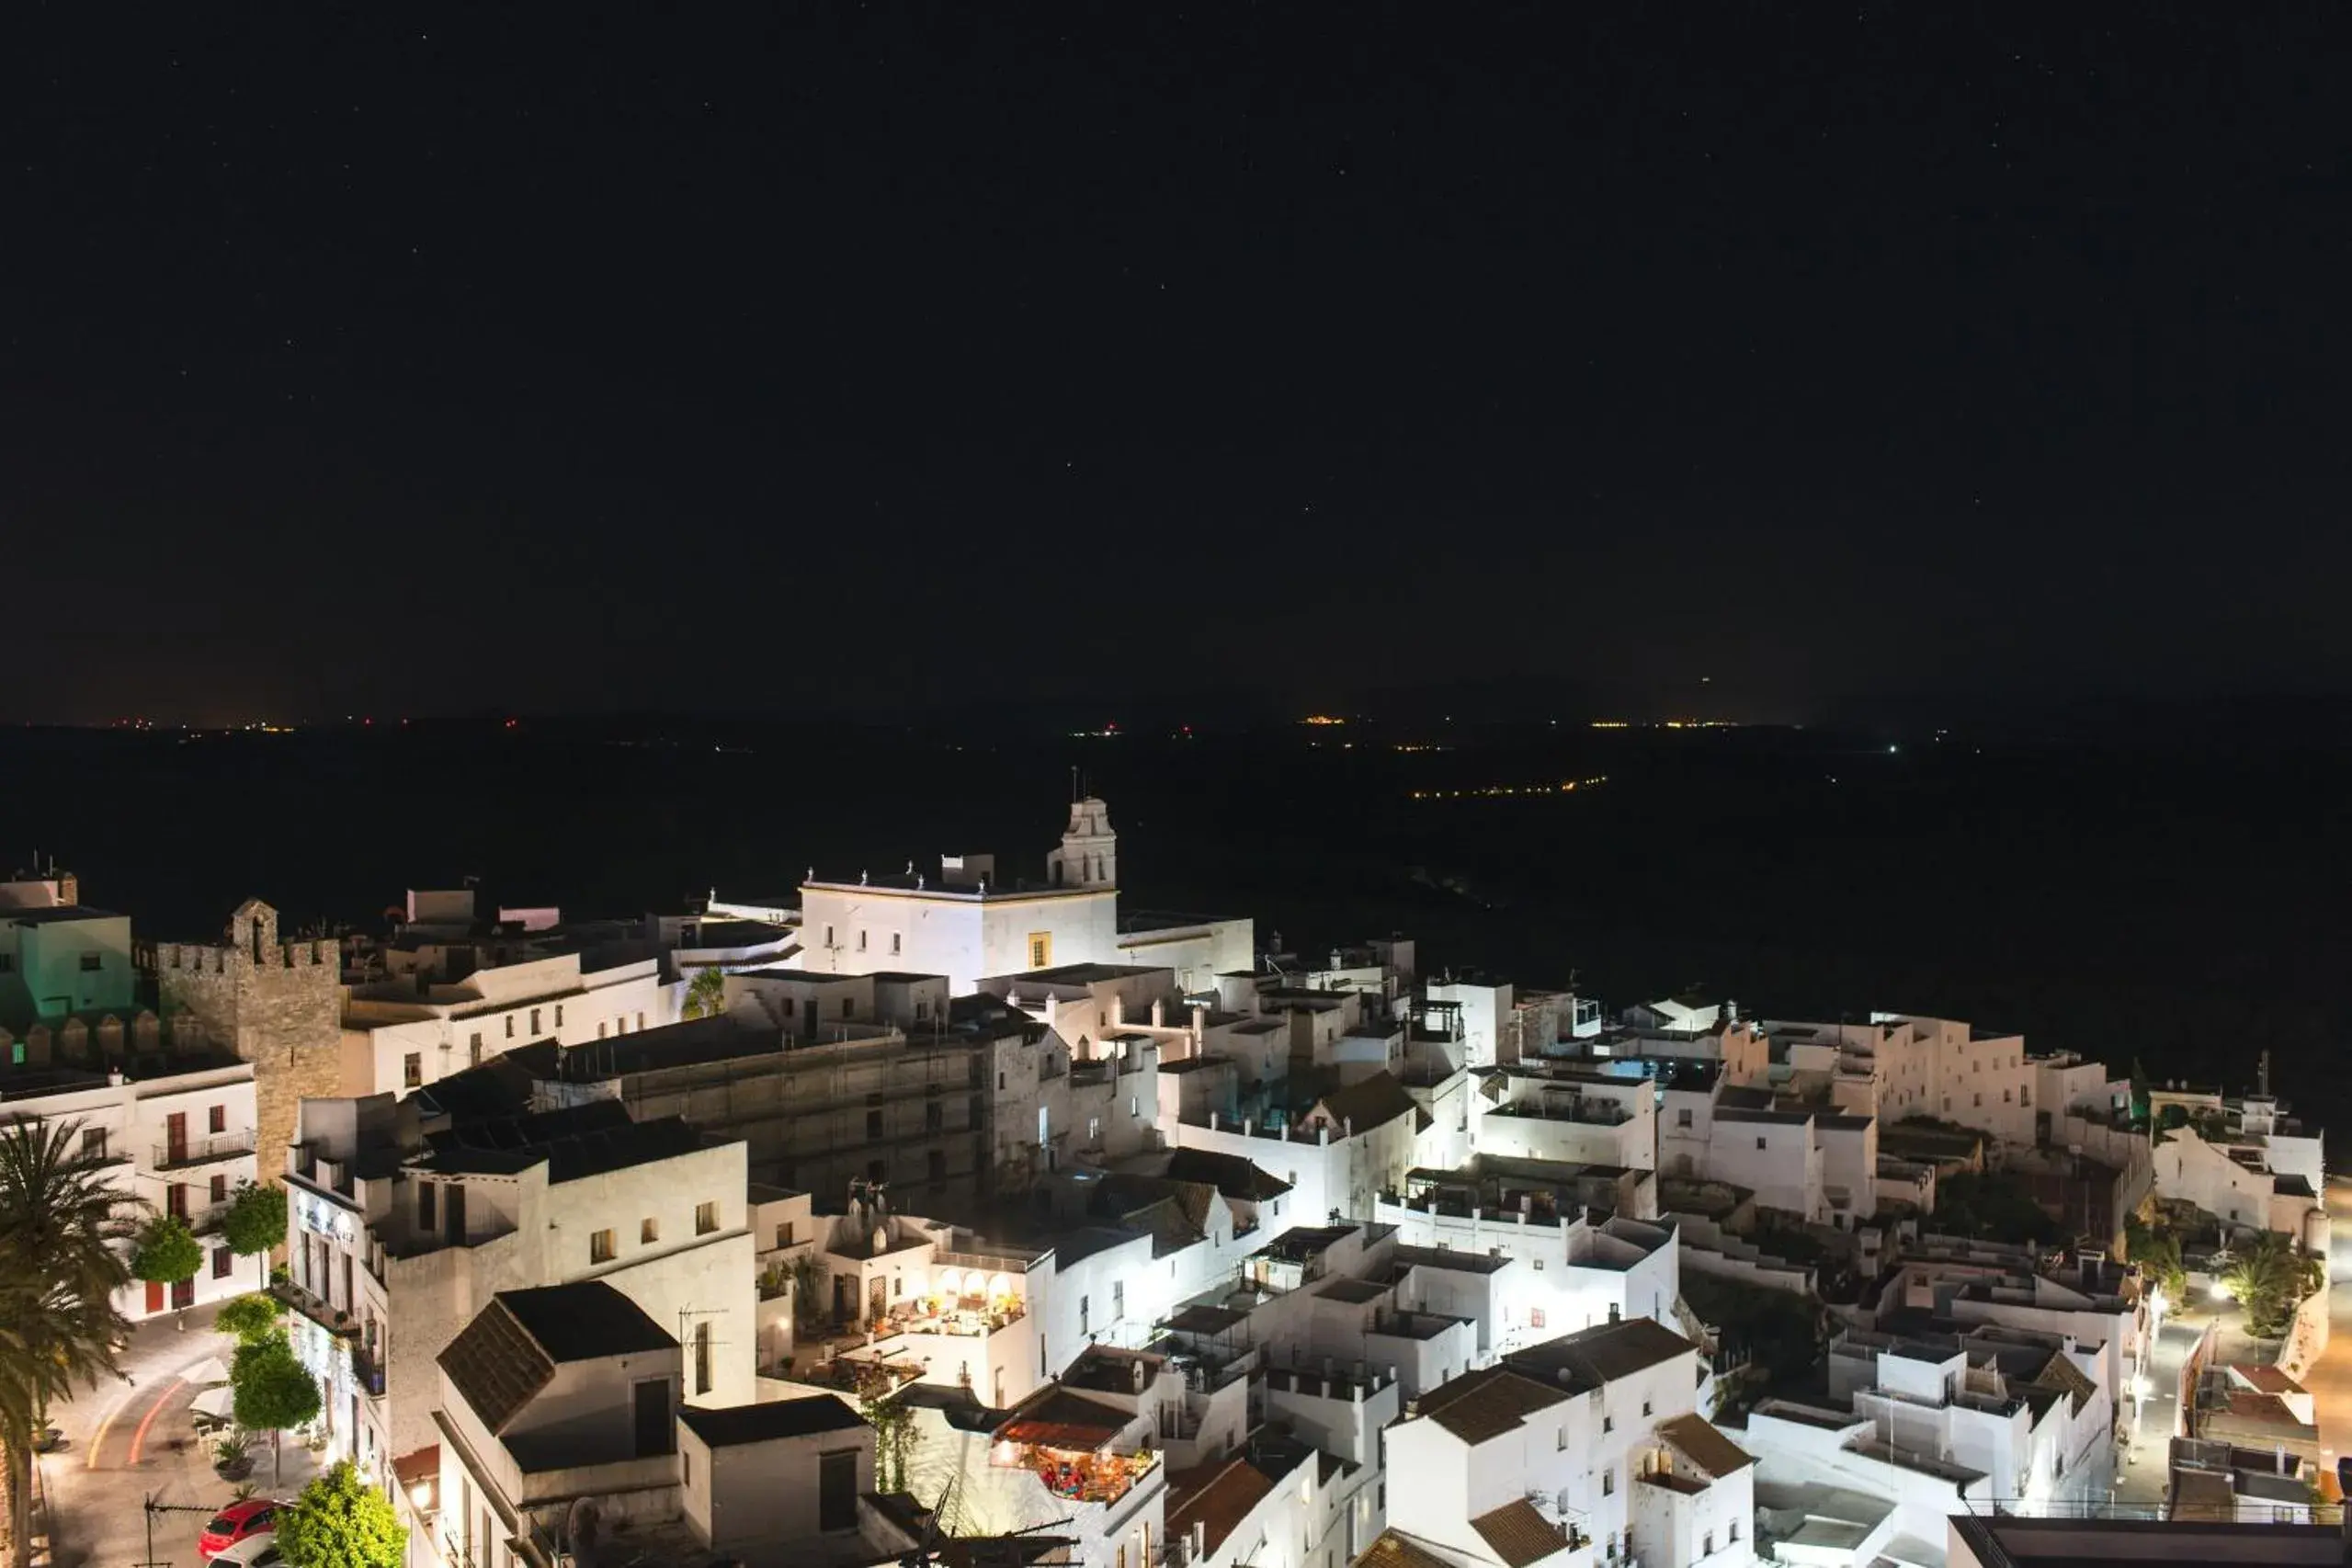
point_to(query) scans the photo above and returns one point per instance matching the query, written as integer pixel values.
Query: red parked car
(234, 1523)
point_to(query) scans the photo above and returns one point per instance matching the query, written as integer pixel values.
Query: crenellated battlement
(206, 959)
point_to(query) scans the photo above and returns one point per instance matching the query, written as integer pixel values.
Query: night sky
(800, 357)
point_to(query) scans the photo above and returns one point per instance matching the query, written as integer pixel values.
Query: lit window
(412, 1069)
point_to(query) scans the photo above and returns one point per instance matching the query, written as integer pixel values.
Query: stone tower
(1089, 854)
(279, 1008)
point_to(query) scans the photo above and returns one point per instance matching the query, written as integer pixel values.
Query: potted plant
(233, 1454)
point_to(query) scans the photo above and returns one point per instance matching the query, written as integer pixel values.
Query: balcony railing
(203, 1150)
(367, 1370)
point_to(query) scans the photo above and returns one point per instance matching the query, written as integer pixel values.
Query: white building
(560, 1426)
(1349, 1147)
(416, 1028)
(1571, 1114)
(1586, 1448)
(174, 1132)
(396, 1239)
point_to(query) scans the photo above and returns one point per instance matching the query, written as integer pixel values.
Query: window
(702, 1356)
(220, 1189)
(412, 1069)
(1000, 1080)
(94, 1143)
(1086, 1304)
(1979, 1097)
(784, 1234)
(91, 964)
(649, 1231)
(787, 1007)
(1041, 949)
(474, 1049)
(873, 1124)
(705, 1218)
(1709, 1550)
(7, 963)
(424, 1206)
(2005, 1096)
(510, 1026)
(1535, 1320)
(559, 1014)
(1609, 1423)
(1609, 1482)
(935, 1116)
(641, 1020)
(828, 937)
(2024, 1096)
(894, 940)
(1118, 1299)
(216, 1119)
(600, 1247)
(1538, 1266)
(861, 938)
(1759, 1142)
(936, 1167)
(224, 1262)
(1682, 1117)
(604, 1024)
(1736, 1529)
(1645, 1408)
(534, 1020)
(845, 1006)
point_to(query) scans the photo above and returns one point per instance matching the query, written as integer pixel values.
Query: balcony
(367, 1370)
(317, 1310)
(203, 1150)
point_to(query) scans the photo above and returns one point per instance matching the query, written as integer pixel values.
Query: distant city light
(1321, 718)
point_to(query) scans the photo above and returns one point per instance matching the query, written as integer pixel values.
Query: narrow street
(130, 1440)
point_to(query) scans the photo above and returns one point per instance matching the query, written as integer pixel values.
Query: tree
(248, 1318)
(705, 993)
(272, 1390)
(340, 1521)
(256, 1222)
(2270, 1277)
(808, 1282)
(894, 1426)
(167, 1253)
(62, 1229)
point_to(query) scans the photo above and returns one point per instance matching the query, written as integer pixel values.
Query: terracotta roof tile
(1518, 1535)
(1701, 1442)
(1486, 1403)
(1391, 1549)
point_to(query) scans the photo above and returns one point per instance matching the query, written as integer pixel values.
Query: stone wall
(278, 1006)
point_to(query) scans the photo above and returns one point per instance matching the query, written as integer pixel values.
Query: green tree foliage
(255, 1224)
(2270, 1277)
(340, 1521)
(166, 1252)
(273, 1390)
(808, 1280)
(894, 1426)
(2157, 1253)
(705, 993)
(1784, 1333)
(1992, 1206)
(248, 1318)
(61, 1224)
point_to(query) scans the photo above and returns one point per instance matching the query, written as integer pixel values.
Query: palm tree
(705, 993)
(63, 1232)
(2269, 1277)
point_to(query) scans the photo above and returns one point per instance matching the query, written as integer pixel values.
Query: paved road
(135, 1440)
(2142, 1477)
(2330, 1379)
